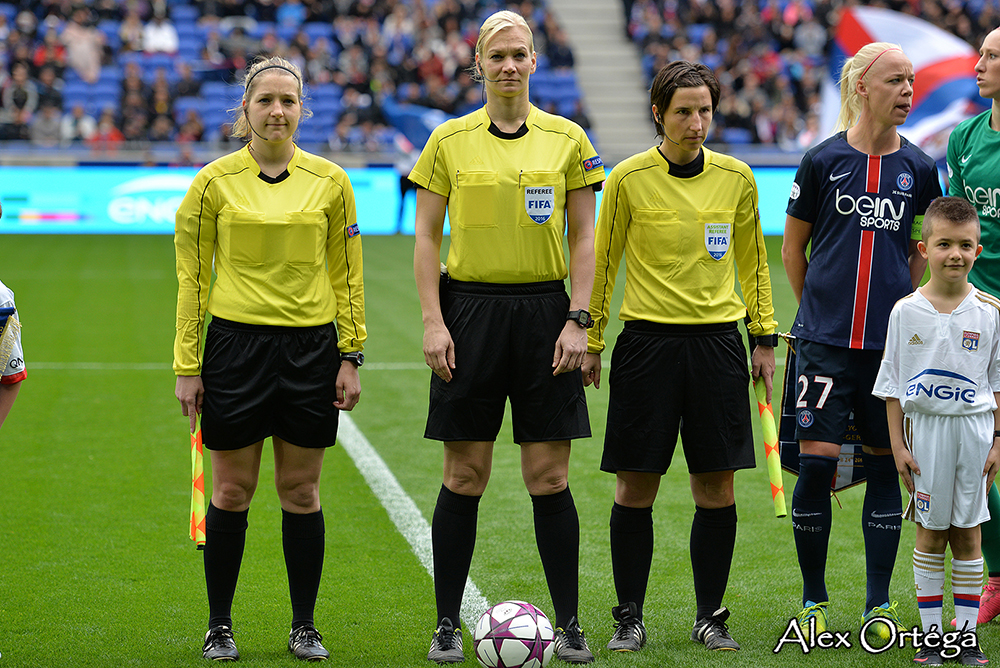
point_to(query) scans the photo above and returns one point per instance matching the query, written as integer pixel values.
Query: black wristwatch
(769, 340)
(357, 359)
(581, 318)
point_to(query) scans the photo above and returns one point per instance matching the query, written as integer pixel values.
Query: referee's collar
(272, 179)
(500, 134)
(693, 168)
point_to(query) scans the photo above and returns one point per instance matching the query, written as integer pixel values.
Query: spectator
(107, 137)
(191, 129)
(133, 82)
(160, 35)
(161, 129)
(187, 85)
(131, 31)
(559, 52)
(78, 125)
(49, 89)
(19, 101)
(84, 45)
(46, 127)
(50, 53)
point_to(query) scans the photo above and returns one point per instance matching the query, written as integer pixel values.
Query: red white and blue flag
(945, 91)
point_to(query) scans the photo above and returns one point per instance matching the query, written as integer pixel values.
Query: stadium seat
(736, 136)
(183, 13)
(8, 10)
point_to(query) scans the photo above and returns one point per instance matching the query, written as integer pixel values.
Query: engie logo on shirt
(539, 203)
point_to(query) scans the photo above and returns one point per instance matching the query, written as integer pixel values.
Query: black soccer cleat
(713, 632)
(305, 643)
(219, 645)
(630, 633)
(570, 644)
(446, 644)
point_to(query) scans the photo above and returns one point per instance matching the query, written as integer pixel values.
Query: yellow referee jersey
(507, 193)
(286, 251)
(684, 239)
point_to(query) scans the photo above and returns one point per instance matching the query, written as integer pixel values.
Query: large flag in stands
(945, 91)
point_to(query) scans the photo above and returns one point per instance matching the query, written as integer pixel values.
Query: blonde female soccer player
(686, 220)
(513, 180)
(277, 225)
(858, 198)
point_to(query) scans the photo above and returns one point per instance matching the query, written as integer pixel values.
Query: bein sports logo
(942, 391)
(148, 200)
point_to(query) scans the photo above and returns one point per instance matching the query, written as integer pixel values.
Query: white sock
(967, 586)
(928, 575)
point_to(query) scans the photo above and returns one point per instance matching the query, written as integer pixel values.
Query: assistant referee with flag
(686, 220)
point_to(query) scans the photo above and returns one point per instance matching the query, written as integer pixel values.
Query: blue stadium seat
(316, 30)
(183, 13)
(736, 136)
(8, 10)
(183, 104)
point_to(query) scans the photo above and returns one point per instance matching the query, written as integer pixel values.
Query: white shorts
(950, 452)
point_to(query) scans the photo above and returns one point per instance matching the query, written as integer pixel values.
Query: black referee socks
(713, 539)
(303, 540)
(631, 552)
(453, 539)
(557, 533)
(225, 537)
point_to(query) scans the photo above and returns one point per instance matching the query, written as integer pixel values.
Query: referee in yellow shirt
(687, 222)
(513, 180)
(277, 225)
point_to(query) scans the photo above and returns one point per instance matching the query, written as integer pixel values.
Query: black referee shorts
(665, 379)
(830, 383)
(265, 381)
(505, 336)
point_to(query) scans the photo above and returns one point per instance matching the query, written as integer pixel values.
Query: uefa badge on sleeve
(717, 239)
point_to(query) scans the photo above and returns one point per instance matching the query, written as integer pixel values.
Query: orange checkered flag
(771, 448)
(197, 490)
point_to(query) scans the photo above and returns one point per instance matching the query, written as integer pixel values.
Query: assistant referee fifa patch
(717, 239)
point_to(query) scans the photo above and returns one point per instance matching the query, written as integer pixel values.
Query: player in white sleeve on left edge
(939, 378)
(12, 370)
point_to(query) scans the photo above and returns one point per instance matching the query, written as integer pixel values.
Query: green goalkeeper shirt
(974, 174)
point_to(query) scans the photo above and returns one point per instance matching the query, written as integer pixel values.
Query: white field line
(402, 511)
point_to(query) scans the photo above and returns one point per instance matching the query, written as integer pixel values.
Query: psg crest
(539, 202)
(717, 239)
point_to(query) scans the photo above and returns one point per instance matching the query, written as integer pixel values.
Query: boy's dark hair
(680, 74)
(955, 210)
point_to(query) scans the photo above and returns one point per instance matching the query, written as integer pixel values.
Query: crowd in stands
(771, 55)
(128, 72)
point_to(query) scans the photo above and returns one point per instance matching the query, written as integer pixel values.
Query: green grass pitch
(96, 568)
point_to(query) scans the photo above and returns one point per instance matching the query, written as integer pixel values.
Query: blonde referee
(277, 225)
(513, 181)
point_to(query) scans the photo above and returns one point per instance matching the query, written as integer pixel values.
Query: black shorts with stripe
(265, 381)
(505, 337)
(832, 381)
(670, 379)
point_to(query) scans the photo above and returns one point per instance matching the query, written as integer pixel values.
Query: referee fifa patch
(717, 239)
(353, 231)
(539, 203)
(590, 164)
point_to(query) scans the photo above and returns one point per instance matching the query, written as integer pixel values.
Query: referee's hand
(190, 392)
(762, 364)
(439, 351)
(571, 346)
(592, 370)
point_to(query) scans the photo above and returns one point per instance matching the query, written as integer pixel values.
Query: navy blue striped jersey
(864, 209)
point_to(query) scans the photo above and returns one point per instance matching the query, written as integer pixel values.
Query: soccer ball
(513, 634)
